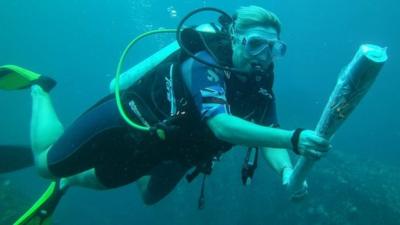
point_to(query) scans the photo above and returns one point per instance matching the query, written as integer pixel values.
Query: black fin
(14, 158)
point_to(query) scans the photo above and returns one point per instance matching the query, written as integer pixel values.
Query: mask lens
(256, 44)
(279, 49)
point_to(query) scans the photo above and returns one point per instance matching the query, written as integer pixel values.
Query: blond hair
(251, 16)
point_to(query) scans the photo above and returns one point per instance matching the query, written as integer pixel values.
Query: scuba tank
(136, 72)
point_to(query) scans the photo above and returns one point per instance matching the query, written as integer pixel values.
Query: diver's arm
(277, 158)
(238, 131)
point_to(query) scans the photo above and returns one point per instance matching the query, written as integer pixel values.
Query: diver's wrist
(288, 140)
(284, 138)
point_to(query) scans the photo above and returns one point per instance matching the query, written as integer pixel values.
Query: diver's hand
(301, 193)
(298, 195)
(312, 146)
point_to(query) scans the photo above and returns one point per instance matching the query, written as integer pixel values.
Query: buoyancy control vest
(161, 99)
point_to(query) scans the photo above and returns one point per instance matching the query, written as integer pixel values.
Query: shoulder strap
(216, 44)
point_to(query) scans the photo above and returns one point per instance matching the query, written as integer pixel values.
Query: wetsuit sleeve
(206, 85)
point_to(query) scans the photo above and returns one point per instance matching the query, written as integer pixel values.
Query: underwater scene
(68, 156)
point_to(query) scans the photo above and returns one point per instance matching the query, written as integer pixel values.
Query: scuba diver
(199, 102)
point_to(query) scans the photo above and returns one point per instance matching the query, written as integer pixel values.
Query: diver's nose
(262, 56)
(265, 57)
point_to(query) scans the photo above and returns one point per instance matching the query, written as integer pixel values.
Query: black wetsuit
(100, 139)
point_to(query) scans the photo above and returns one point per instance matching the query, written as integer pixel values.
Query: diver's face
(256, 46)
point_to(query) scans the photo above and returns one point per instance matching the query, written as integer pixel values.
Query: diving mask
(257, 41)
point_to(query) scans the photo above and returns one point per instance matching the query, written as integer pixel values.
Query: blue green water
(78, 44)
